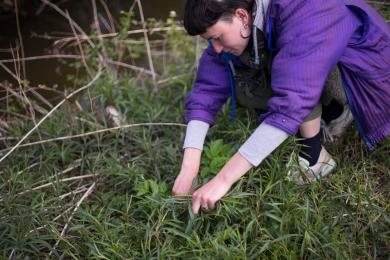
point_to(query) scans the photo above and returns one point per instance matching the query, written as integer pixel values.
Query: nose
(217, 47)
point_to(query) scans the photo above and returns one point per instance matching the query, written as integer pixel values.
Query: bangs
(199, 15)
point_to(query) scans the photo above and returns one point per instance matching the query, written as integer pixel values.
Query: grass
(129, 211)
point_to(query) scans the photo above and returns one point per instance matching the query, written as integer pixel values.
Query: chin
(237, 53)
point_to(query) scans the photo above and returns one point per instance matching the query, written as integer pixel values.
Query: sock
(310, 148)
(331, 111)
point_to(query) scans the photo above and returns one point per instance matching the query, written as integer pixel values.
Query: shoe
(301, 173)
(337, 127)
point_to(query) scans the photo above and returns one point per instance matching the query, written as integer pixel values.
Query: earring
(246, 34)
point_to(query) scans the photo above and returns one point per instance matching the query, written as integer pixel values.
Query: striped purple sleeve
(211, 89)
(311, 37)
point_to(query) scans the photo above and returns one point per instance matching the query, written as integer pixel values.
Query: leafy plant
(214, 158)
(129, 213)
(145, 187)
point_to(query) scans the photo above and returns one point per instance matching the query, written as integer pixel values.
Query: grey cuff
(196, 134)
(261, 143)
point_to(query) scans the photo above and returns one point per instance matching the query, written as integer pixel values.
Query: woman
(303, 41)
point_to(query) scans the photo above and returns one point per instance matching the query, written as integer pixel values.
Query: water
(35, 21)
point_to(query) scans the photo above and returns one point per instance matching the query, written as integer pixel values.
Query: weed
(131, 214)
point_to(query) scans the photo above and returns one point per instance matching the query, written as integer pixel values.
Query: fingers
(176, 189)
(211, 205)
(195, 204)
(182, 186)
(201, 202)
(179, 191)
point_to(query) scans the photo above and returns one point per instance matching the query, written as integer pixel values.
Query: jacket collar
(260, 9)
(259, 13)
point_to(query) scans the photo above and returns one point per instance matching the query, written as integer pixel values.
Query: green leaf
(217, 163)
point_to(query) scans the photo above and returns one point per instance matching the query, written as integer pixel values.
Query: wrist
(234, 169)
(191, 171)
(191, 160)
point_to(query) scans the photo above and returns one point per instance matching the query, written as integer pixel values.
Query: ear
(243, 15)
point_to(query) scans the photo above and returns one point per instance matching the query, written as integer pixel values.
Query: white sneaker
(337, 127)
(301, 173)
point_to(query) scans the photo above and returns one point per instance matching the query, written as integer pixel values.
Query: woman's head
(225, 22)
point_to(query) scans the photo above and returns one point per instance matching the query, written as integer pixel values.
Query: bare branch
(150, 59)
(77, 163)
(132, 32)
(51, 112)
(79, 45)
(125, 65)
(60, 181)
(95, 132)
(43, 57)
(86, 194)
(76, 26)
(97, 25)
(22, 98)
(55, 219)
(110, 18)
(20, 37)
(22, 171)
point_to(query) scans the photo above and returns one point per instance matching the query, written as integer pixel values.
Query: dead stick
(109, 35)
(43, 57)
(125, 65)
(50, 183)
(86, 194)
(95, 132)
(148, 50)
(20, 37)
(50, 113)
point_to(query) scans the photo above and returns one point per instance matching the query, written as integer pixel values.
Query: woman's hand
(209, 194)
(183, 182)
(189, 170)
(214, 190)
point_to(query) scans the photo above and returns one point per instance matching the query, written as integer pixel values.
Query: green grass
(131, 213)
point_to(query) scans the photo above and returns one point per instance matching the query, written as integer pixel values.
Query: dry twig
(60, 181)
(77, 163)
(86, 194)
(97, 26)
(148, 50)
(51, 112)
(83, 60)
(20, 37)
(110, 18)
(95, 132)
(43, 57)
(109, 35)
(125, 65)
(22, 171)
(22, 98)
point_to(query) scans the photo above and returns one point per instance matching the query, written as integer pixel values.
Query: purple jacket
(311, 37)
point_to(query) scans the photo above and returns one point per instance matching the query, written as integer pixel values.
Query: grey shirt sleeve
(195, 134)
(261, 143)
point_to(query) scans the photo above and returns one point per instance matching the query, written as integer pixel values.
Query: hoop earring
(242, 34)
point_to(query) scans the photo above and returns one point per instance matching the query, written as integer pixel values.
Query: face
(226, 36)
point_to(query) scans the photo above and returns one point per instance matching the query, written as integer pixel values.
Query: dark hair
(201, 14)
